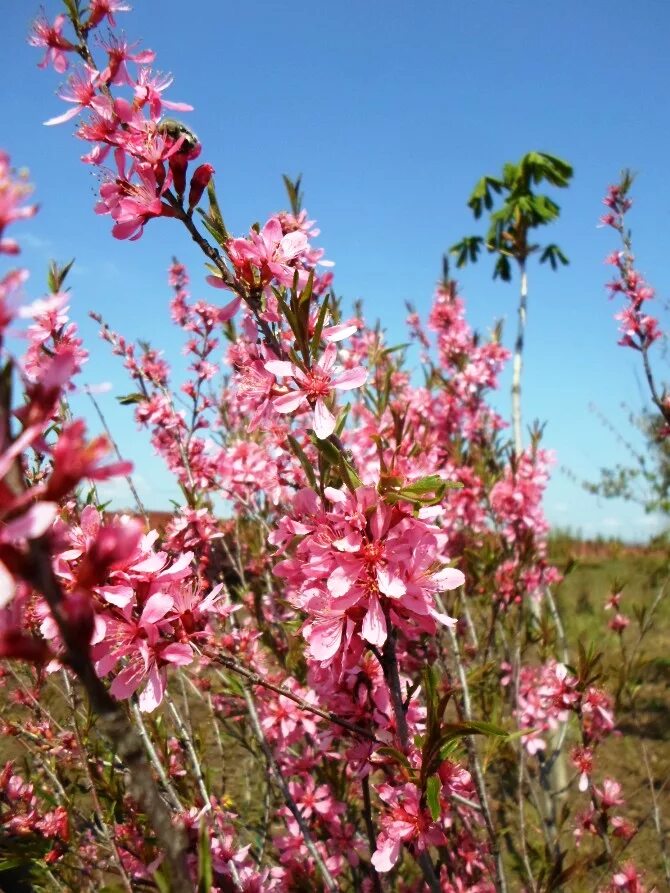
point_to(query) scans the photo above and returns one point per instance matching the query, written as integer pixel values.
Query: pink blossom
(314, 386)
(51, 37)
(406, 822)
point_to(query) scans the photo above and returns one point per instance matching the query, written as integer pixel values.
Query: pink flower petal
(374, 623)
(324, 420)
(230, 309)
(325, 639)
(352, 378)
(280, 367)
(289, 402)
(7, 587)
(32, 523)
(338, 333)
(177, 653)
(449, 578)
(156, 608)
(152, 694)
(393, 587)
(327, 360)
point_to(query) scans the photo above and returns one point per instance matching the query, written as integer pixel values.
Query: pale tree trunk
(518, 360)
(556, 773)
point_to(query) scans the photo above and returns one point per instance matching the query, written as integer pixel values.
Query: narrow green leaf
(433, 786)
(205, 872)
(304, 461)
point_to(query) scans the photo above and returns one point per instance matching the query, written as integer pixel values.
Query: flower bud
(199, 182)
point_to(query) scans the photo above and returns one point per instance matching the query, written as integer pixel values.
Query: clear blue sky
(391, 111)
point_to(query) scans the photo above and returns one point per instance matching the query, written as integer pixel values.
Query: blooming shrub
(366, 633)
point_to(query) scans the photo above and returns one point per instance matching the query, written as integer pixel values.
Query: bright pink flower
(610, 794)
(628, 879)
(149, 89)
(270, 252)
(81, 91)
(119, 52)
(13, 190)
(582, 759)
(403, 822)
(74, 458)
(100, 9)
(315, 386)
(50, 36)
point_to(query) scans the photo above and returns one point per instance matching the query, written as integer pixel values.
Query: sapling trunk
(518, 359)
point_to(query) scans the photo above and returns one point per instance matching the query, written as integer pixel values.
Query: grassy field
(639, 757)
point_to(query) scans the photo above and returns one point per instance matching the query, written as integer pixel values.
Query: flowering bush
(354, 676)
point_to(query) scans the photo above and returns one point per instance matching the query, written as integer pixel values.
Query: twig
(114, 722)
(658, 824)
(369, 827)
(281, 783)
(500, 879)
(231, 664)
(115, 447)
(188, 744)
(102, 824)
(155, 760)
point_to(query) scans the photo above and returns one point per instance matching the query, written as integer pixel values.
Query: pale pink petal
(30, 524)
(151, 696)
(118, 595)
(99, 630)
(156, 608)
(374, 623)
(128, 681)
(338, 333)
(180, 569)
(324, 420)
(334, 495)
(230, 309)
(352, 378)
(342, 579)
(280, 367)
(150, 565)
(449, 578)
(349, 543)
(177, 653)
(292, 244)
(272, 233)
(325, 638)
(61, 119)
(7, 587)
(391, 586)
(444, 619)
(328, 358)
(289, 402)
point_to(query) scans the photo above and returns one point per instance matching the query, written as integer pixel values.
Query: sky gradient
(391, 111)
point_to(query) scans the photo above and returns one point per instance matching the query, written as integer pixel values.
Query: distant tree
(510, 237)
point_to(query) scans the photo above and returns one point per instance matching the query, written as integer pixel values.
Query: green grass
(643, 714)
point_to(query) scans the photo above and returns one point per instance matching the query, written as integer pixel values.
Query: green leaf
(294, 193)
(215, 215)
(328, 450)
(486, 728)
(218, 234)
(433, 786)
(304, 461)
(205, 872)
(162, 882)
(395, 754)
(129, 399)
(318, 328)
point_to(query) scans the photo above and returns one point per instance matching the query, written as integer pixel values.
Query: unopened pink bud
(199, 182)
